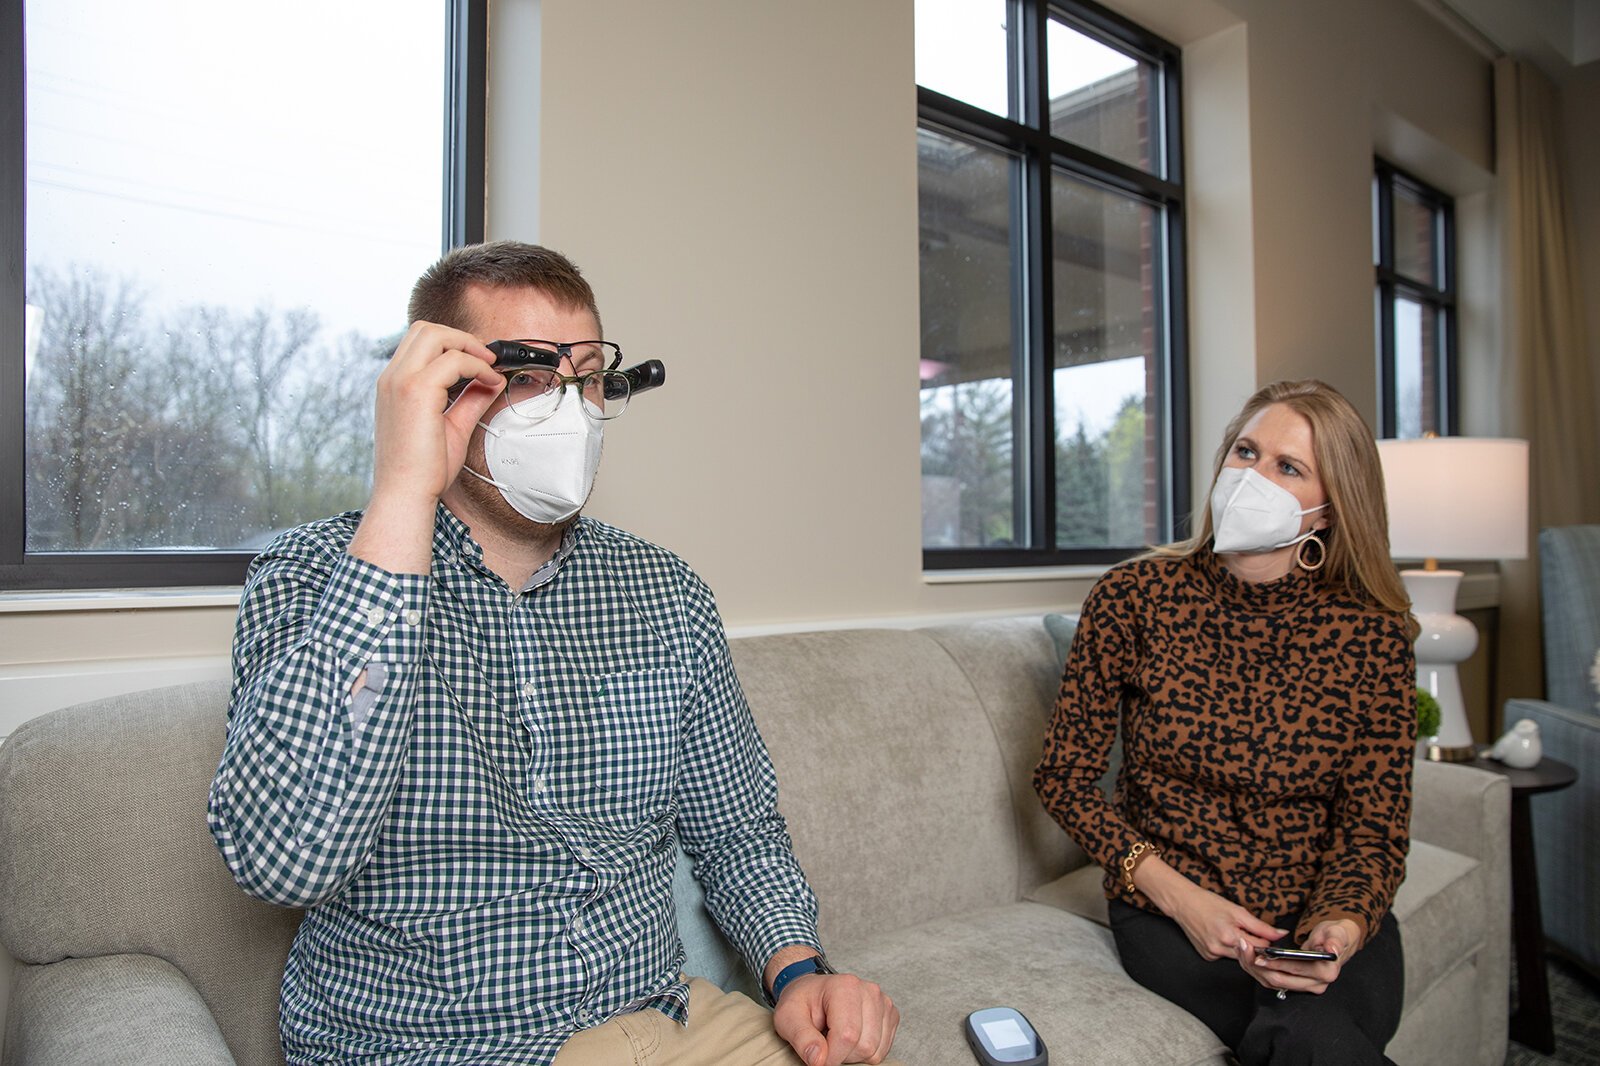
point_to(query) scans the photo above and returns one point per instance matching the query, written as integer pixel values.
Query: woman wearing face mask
(1262, 676)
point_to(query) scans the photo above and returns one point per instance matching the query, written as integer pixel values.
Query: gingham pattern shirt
(485, 842)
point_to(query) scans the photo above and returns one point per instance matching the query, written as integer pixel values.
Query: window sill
(118, 600)
(1089, 571)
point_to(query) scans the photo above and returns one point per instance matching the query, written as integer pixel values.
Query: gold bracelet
(1136, 854)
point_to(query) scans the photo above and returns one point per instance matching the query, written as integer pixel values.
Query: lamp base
(1446, 639)
(1452, 753)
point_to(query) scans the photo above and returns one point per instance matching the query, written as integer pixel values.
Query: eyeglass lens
(536, 391)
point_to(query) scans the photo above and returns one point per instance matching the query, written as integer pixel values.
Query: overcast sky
(961, 52)
(193, 146)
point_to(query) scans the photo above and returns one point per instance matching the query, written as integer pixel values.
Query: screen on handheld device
(1005, 1033)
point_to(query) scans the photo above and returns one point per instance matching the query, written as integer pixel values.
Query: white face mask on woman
(543, 466)
(1250, 513)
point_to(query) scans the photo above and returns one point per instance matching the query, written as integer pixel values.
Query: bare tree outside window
(202, 427)
(225, 209)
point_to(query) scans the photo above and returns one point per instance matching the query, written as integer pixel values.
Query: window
(212, 219)
(1054, 409)
(1413, 230)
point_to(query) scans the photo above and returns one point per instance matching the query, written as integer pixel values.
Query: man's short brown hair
(438, 295)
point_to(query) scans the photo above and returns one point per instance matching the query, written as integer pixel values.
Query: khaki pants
(725, 1029)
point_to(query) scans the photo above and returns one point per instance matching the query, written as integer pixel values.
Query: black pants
(1348, 1024)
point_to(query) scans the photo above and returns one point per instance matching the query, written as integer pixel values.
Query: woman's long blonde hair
(1357, 537)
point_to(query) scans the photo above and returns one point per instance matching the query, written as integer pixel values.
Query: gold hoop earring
(1300, 554)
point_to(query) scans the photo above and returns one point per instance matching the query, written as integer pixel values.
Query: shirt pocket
(633, 743)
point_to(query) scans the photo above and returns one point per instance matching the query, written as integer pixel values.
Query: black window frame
(1441, 300)
(1033, 302)
(466, 89)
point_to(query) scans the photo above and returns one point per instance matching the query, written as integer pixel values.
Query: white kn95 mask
(1250, 513)
(544, 466)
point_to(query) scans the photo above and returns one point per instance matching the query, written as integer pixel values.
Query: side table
(1530, 1023)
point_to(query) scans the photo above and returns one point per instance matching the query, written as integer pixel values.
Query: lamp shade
(1456, 497)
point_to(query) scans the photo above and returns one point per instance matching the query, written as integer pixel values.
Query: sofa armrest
(1468, 811)
(135, 1009)
(1464, 809)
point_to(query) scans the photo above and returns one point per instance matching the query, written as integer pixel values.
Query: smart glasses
(534, 382)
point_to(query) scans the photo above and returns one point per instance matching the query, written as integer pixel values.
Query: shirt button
(528, 689)
(376, 616)
(577, 927)
(584, 1016)
(538, 782)
(413, 618)
(586, 854)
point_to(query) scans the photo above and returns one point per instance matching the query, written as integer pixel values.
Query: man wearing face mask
(469, 729)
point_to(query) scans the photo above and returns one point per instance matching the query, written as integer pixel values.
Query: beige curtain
(1547, 382)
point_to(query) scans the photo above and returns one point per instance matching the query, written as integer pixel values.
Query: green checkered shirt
(484, 835)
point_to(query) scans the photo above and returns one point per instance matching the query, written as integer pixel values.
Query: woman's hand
(1214, 925)
(1217, 927)
(1340, 936)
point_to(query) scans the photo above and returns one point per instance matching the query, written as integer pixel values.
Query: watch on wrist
(815, 964)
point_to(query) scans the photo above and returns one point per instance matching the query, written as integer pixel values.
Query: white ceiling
(1560, 35)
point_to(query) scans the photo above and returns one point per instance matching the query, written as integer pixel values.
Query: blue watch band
(815, 964)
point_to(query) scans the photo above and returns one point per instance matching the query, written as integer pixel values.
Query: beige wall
(739, 180)
(755, 218)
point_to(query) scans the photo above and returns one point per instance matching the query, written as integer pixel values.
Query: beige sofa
(904, 758)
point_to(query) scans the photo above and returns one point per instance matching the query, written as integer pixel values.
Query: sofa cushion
(1439, 888)
(1443, 1025)
(1081, 892)
(1062, 628)
(95, 1010)
(1060, 971)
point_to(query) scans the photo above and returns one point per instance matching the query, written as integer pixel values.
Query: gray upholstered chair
(1566, 824)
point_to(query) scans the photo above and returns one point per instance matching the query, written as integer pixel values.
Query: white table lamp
(1452, 498)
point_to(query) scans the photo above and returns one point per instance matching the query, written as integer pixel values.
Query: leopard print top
(1269, 731)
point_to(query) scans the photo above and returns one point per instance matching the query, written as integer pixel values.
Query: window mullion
(13, 223)
(1449, 350)
(1039, 286)
(1383, 210)
(1389, 414)
(466, 106)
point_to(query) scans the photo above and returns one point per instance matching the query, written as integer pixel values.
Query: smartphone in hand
(1272, 951)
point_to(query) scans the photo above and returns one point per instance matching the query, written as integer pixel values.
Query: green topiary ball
(1427, 714)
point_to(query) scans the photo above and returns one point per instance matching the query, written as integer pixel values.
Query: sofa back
(905, 762)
